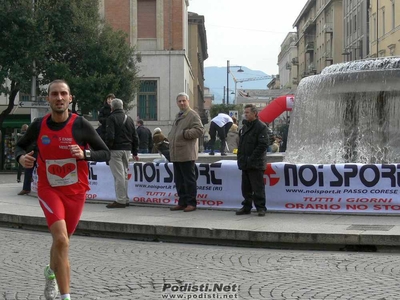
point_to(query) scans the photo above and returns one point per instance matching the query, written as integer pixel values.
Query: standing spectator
(28, 173)
(145, 138)
(184, 148)
(161, 143)
(232, 140)
(104, 113)
(122, 140)
(284, 132)
(26, 187)
(221, 124)
(276, 144)
(20, 167)
(63, 141)
(251, 159)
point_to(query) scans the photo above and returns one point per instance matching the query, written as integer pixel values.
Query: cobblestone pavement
(121, 269)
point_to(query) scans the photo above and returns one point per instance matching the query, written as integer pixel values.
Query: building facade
(356, 32)
(288, 70)
(319, 36)
(197, 55)
(160, 32)
(384, 28)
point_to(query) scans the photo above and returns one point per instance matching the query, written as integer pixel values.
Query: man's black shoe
(243, 211)
(24, 192)
(211, 153)
(261, 212)
(115, 204)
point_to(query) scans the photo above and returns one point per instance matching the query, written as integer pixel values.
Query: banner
(355, 188)
(352, 188)
(154, 183)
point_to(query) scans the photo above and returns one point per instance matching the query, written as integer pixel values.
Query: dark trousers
(222, 133)
(185, 182)
(27, 179)
(253, 189)
(19, 172)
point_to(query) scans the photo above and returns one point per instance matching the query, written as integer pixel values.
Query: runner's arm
(87, 135)
(28, 141)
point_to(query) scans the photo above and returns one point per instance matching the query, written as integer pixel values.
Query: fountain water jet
(350, 113)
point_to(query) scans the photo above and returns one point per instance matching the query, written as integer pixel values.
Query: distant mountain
(216, 80)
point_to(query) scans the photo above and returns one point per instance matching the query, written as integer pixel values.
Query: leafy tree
(21, 45)
(67, 40)
(93, 58)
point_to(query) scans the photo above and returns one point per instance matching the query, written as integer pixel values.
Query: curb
(226, 237)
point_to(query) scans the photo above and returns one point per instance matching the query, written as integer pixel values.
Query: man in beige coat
(183, 147)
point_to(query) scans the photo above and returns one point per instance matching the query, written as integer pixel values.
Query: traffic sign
(31, 104)
(234, 113)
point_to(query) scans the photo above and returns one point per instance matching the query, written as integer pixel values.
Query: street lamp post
(227, 82)
(228, 70)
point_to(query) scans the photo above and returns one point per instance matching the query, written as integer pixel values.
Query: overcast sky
(247, 32)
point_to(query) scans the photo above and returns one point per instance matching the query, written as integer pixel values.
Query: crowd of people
(61, 143)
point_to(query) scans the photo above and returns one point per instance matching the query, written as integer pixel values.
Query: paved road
(121, 269)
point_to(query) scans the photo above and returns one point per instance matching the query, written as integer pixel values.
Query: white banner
(154, 183)
(355, 188)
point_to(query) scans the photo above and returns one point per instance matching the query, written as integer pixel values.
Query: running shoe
(51, 288)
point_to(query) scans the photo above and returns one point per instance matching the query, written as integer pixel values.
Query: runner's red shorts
(57, 206)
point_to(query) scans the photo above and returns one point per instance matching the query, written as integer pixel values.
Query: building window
(355, 23)
(147, 100)
(383, 21)
(146, 19)
(375, 25)
(393, 16)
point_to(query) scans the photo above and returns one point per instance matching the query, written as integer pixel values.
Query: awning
(16, 121)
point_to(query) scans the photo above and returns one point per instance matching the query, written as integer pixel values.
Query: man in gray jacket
(183, 147)
(122, 140)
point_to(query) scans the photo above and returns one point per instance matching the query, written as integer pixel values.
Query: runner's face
(59, 97)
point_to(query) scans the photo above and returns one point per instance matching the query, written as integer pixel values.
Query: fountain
(350, 113)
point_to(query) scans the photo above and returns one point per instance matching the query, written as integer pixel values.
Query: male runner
(65, 143)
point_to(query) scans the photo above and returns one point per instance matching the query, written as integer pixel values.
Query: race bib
(61, 172)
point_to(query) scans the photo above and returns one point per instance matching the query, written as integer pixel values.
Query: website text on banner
(353, 188)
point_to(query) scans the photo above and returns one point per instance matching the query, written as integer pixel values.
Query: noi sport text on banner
(355, 188)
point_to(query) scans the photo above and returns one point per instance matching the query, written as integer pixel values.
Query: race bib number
(61, 172)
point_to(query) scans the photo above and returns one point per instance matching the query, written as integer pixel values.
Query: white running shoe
(51, 288)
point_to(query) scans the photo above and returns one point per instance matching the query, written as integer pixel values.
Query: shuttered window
(147, 100)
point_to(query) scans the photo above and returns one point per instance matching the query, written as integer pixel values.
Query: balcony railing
(327, 55)
(310, 47)
(307, 25)
(311, 69)
(328, 27)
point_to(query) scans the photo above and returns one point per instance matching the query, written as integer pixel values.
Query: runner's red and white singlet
(56, 166)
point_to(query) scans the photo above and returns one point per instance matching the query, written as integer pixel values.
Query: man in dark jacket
(122, 140)
(251, 159)
(145, 138)
(104, 113)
